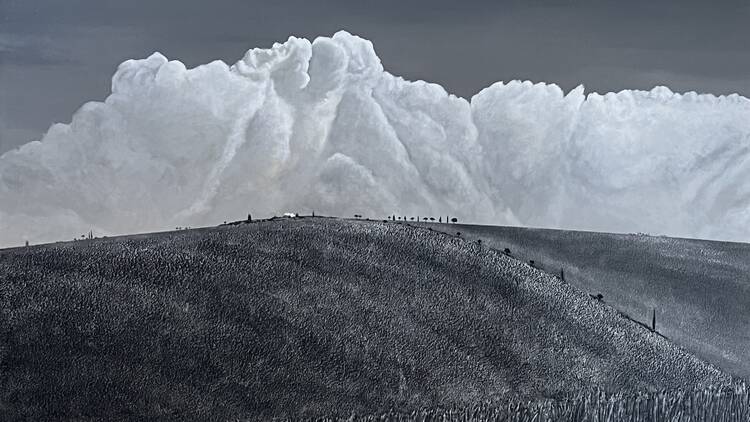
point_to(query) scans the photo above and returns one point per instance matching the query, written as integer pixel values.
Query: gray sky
(55, 55)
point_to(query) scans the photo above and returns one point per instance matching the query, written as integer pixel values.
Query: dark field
(700, 289)
(305, 317)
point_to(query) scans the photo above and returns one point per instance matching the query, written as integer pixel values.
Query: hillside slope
(700, 289)
(304, 317)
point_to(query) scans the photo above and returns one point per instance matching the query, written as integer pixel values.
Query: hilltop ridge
(306, 317)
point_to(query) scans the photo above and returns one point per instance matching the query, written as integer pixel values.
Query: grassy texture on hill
(700, 289)
(304, 317)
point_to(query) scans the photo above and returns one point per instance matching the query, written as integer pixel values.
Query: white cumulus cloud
(321, 126)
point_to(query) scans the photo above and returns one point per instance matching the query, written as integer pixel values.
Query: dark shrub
(598, 296)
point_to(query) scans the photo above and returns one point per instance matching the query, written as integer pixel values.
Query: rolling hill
(302, 318)
(700, 289)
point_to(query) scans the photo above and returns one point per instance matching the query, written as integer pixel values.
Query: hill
(700, 289)
(304, 317)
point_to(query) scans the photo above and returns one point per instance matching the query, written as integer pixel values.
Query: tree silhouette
(454, 220)
(598, 296)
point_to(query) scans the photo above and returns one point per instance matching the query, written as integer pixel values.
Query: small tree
(653, 320)
(250, 217)
(531, 262)
(506, 251)
(599, 297)
(440, 219)
(454, 220)
(562, 274)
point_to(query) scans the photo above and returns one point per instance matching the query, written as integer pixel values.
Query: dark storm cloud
(56, 55)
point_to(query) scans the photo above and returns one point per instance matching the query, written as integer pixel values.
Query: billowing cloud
(321, 126)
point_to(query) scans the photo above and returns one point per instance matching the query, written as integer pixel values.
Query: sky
(55, 55)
